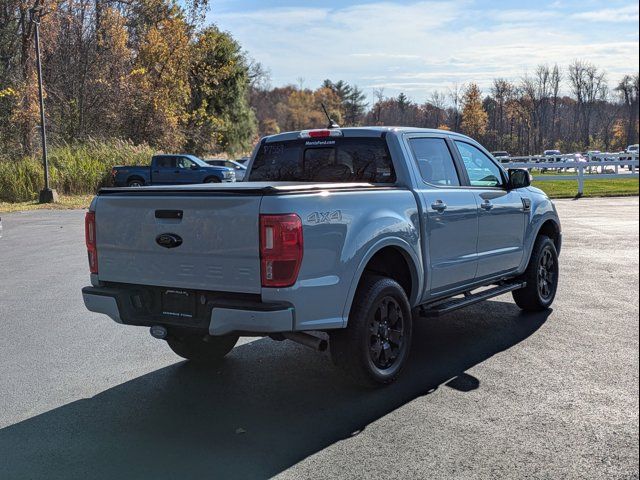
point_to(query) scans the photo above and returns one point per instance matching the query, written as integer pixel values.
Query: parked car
(502, 156)
(237, 167)
(632, 150)
(550, 156)
(171, 170)
(576, 157)
(342, 231)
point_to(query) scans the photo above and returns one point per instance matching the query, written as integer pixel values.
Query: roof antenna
(332, 122)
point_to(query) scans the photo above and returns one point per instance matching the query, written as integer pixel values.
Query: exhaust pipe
(159, 332)
(311, 341)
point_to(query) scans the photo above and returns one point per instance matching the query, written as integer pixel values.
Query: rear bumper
(218, 315)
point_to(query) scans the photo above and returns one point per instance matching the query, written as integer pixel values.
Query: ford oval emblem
(169, 240)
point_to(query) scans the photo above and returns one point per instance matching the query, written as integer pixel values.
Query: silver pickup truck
(339, 239)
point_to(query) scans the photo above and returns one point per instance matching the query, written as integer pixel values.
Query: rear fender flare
(412, 258)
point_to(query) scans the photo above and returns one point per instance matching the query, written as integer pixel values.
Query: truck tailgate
(218, 240)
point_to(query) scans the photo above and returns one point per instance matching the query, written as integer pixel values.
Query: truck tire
(374, 347)
(212, 180)
(135, 182)
(206, 350)
(541, 276)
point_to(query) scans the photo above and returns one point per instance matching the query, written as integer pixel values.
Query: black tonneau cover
(239, 188)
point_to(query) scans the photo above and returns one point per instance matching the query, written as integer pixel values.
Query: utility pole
(47, 195)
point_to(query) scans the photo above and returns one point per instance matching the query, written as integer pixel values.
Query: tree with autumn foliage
(139, 70)
(474, 117)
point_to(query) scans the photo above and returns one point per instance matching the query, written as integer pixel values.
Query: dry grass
(79, 169)
(66, 202)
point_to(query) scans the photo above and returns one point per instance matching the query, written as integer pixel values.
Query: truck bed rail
(242, 188)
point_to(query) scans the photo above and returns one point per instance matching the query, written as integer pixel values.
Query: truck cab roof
(374, 131)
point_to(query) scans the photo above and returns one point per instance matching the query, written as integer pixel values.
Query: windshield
(197, 161)
(324, 160)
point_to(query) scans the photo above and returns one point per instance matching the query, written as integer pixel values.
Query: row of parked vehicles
(552, 156)
(183, 169)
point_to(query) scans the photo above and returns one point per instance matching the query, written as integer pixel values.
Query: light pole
(47, 195)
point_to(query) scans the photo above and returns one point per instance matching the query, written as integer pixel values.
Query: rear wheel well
(135, 177)
(391, 262)
(551, 230)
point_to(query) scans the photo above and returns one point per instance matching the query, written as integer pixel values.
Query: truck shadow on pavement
(269, 406)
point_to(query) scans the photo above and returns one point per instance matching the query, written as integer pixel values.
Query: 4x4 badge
(325, 217)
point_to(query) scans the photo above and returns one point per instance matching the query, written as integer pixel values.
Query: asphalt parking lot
(490, 392)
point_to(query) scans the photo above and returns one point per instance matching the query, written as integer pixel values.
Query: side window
(480, 168)
(435, 161)
(166, 162)
(184, 163)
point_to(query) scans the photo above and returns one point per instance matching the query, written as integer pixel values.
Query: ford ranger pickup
(338, 238)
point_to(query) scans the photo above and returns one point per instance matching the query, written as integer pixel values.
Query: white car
(633, 150)
(502, 156)
(237, 167)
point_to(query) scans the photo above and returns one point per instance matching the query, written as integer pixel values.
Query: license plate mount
(178, 303)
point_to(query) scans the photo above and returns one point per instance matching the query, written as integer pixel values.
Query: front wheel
(374, 347)
(201, 349)
(542, 276)
(212, 180)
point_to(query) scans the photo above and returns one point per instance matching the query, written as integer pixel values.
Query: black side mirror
(195, 167)
(519, 178)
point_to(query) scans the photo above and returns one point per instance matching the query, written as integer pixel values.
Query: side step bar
(441, 307)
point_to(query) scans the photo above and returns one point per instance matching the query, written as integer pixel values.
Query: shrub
(74, 169)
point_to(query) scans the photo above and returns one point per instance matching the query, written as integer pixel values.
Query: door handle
(439, 206)
(486, 205)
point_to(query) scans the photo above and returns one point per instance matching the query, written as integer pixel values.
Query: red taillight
(280, 249)
(319, 133)
(90, 239)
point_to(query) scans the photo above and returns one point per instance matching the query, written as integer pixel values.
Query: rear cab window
(435, 161)
(165, 161)
(335, 159)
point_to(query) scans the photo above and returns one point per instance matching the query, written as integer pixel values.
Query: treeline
(523, 117)
(140, 70)
(148, 72)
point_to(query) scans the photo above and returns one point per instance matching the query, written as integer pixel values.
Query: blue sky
(421, 46)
